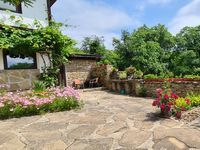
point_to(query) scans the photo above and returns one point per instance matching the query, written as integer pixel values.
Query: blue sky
(108, 17)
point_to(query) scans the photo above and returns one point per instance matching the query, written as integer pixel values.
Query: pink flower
(155, 103)
(162, 106)
(159, 92)
(166, 97)
(174, 96)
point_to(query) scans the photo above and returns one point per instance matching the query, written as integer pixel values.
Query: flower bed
(171, 104)
(30, 102)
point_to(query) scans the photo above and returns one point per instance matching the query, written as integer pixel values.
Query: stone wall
(19, 79)
(180, 88)
(132, 87)
(78, 69)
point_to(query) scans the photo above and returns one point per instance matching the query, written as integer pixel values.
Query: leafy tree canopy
(145, 48)
(93, 45)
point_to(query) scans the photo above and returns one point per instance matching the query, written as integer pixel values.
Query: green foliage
(114, 74)
(17, 2)
(154, 50)
(48, 40)
(49, 76)
(192, 77)
(194, 99)
(122, 75)
(142, 92)
(61, 104)
(130, 71)
(110, 57)
(5, 112)
(39, 86)
(150, 76)
(145, 48)
(93, 45)
(182, 103)
(138, 74)
(184, 62)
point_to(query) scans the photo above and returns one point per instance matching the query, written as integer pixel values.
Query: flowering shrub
(170, 103)
(32, 103)
(194, 99)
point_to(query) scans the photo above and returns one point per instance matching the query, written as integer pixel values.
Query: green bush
(39, 86)
(29, 103)
(130, 71)
(122, 75)
(142, 92)
(150, 76)
(182, 103)
(60, 104)
(192, 77)
(194, 99)
(138, 74)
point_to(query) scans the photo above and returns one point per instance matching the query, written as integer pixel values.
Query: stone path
(107, 122)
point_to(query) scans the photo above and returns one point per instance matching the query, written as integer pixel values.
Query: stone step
(93, 89)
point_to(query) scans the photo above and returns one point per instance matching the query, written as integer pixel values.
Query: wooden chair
(93, 82)
(78, 84)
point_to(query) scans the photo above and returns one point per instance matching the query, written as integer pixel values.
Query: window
(7, 6)
(19, 62)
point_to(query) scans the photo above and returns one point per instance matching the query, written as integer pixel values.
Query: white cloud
(92, 18)
(159, 1)
(189, 15)
(145, 3)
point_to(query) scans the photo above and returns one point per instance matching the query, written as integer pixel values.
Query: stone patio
(107, 121)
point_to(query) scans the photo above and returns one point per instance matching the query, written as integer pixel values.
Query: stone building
(79, 67)
(20, 71)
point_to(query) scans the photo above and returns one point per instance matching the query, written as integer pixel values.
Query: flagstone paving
(106, 122)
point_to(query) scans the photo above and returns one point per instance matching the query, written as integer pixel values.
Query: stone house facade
(20, 71)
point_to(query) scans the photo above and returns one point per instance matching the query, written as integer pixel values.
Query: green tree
(185, 62)
(145, 49)
(93, 45)
(189, 39)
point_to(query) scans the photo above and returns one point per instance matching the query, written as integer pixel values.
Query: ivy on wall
(44, 40)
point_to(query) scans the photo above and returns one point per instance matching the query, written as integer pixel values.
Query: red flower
(174, 96)
(168, 108)
(183, 108)
(170, 103)
(159, 91)
(178, 115)
(162, 106)
(187, 101)
(155, 103)
(166, 96)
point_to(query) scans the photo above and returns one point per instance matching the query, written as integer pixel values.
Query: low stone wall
(132, 87)
(19, 79)
(180, 88)
(129, 86)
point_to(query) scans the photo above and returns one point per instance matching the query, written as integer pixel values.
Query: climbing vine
(44, 40)
(17, 2)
